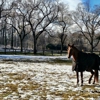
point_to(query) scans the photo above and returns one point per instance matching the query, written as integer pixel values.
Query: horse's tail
(96, 75)
(99, 62)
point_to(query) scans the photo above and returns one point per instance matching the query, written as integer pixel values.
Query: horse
(84, 62)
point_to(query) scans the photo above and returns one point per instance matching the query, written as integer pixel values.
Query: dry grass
(12, 87)
(16, 76)
(30, 86)
(43, 91)
(25, 83)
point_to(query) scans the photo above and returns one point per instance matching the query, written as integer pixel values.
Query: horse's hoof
(77, 85)
(89, 82)
(81, 84)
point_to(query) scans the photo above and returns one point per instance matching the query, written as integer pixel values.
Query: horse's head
(70, 50)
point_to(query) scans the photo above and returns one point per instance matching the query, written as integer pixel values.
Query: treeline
(43, 24)
(55, 47)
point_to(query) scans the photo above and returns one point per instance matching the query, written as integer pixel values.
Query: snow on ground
(33, 58)
(24, 80)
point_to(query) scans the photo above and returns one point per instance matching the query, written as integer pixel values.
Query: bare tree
(20, 24)
(87, 20)
(40, 16)
(64, 23)
(4, 11)
(42, 42)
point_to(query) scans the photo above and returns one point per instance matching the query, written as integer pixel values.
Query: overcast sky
(72, 3)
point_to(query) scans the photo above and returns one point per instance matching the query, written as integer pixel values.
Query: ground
(29, 80)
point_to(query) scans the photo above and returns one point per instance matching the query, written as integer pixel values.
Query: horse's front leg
(81, 78)
(77, 74)
(92, 73)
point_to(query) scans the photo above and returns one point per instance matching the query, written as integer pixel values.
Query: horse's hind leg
(92, 73)
(81, 78)
(77, 74)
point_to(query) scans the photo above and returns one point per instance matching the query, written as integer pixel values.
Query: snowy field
(34, 78)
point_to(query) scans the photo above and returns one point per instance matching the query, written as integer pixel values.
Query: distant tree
(4, 8)
(51, 46)
(20, 25)
(64, 23)
(87, 20)
(40, 15)
(42, 42)
(4, 11)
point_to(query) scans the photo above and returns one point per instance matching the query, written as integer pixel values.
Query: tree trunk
(35, 46)
(92, 48)
(5, 42)
(61, 45)
(61, 48)
(12, 39)
(21, 43)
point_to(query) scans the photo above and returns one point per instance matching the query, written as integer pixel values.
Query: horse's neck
(75, 55)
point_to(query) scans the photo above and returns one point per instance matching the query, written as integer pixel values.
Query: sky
(93, 2)
(73, 3)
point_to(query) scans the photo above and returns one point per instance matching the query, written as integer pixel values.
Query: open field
(22, 80)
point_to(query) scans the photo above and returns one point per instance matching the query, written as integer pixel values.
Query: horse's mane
(76, 48)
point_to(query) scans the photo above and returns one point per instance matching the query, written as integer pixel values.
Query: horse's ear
(68, 44)
(72, 45)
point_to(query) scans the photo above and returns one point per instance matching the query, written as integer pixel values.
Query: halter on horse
(84, 62)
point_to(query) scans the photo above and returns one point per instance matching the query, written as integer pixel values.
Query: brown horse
(84, 62)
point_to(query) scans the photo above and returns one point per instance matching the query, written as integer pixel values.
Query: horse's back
(86, 61)
(91, 61)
